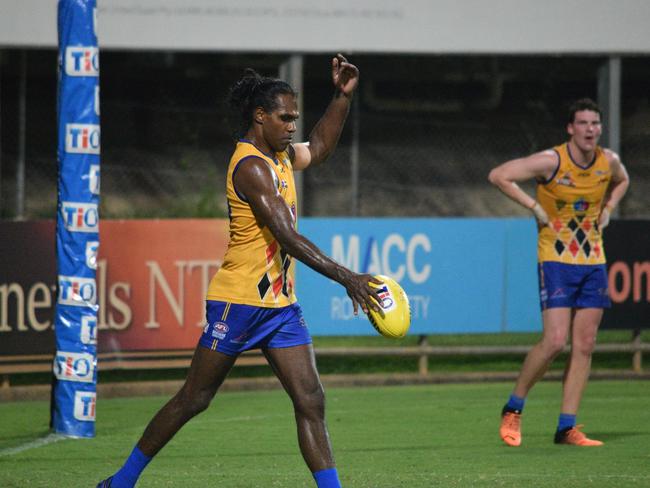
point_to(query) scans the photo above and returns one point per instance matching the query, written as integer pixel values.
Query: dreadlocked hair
(252, 91)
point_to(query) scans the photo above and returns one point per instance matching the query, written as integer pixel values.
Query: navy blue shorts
(233, 329)
(573, 285)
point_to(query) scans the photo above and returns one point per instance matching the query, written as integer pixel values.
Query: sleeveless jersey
(255, 270)
(573, 199)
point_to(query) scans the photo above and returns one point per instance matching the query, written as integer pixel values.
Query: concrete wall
(409, 26)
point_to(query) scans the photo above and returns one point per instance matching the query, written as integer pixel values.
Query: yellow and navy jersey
(573, 198)
(255, 270)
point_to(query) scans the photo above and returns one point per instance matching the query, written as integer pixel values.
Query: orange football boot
(510, 430)
(574, 437)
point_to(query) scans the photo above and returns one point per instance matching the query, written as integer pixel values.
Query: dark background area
(430, 129)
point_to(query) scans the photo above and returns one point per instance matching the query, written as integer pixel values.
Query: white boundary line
(43, 441)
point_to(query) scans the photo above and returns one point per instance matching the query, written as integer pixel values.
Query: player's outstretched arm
(617, 188)
(505, 177)
(325, 134)
(254, 180)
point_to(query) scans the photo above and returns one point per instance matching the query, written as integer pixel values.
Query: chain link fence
(428, 130)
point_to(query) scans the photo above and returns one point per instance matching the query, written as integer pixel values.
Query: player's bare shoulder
(618, 171)
(549, 157)
(544, 163)
(611, 156)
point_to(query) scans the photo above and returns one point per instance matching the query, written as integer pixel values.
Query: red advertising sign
(152, 280)
(152, 277)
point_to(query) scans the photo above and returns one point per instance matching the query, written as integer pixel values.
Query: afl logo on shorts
(219, 330)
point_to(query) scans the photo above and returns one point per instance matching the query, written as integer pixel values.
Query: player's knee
(584, 346)
(311, 402)
(553, 345)
(201, 402)
(194, 402)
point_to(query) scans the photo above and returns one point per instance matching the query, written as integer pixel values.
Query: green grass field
(409, 436)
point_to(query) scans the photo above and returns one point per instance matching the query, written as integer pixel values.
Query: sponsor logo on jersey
(566, 180)
(581, 205)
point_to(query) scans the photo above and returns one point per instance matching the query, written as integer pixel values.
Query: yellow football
(396, 310)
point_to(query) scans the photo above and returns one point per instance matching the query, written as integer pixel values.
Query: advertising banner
(462, 275)
(77, 227)
(27, 287)
(152, 277)
(627, 245)
(455, 272)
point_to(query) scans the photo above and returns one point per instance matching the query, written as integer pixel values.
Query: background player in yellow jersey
(578, 186)
(251, 301)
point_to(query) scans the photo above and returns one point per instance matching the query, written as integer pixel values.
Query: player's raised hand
(345, 76)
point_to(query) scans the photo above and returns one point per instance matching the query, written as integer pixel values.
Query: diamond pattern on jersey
(286, 262)
(279, 284)
(580, 228)
(597, 250)
(263, 285)
(271, 250)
